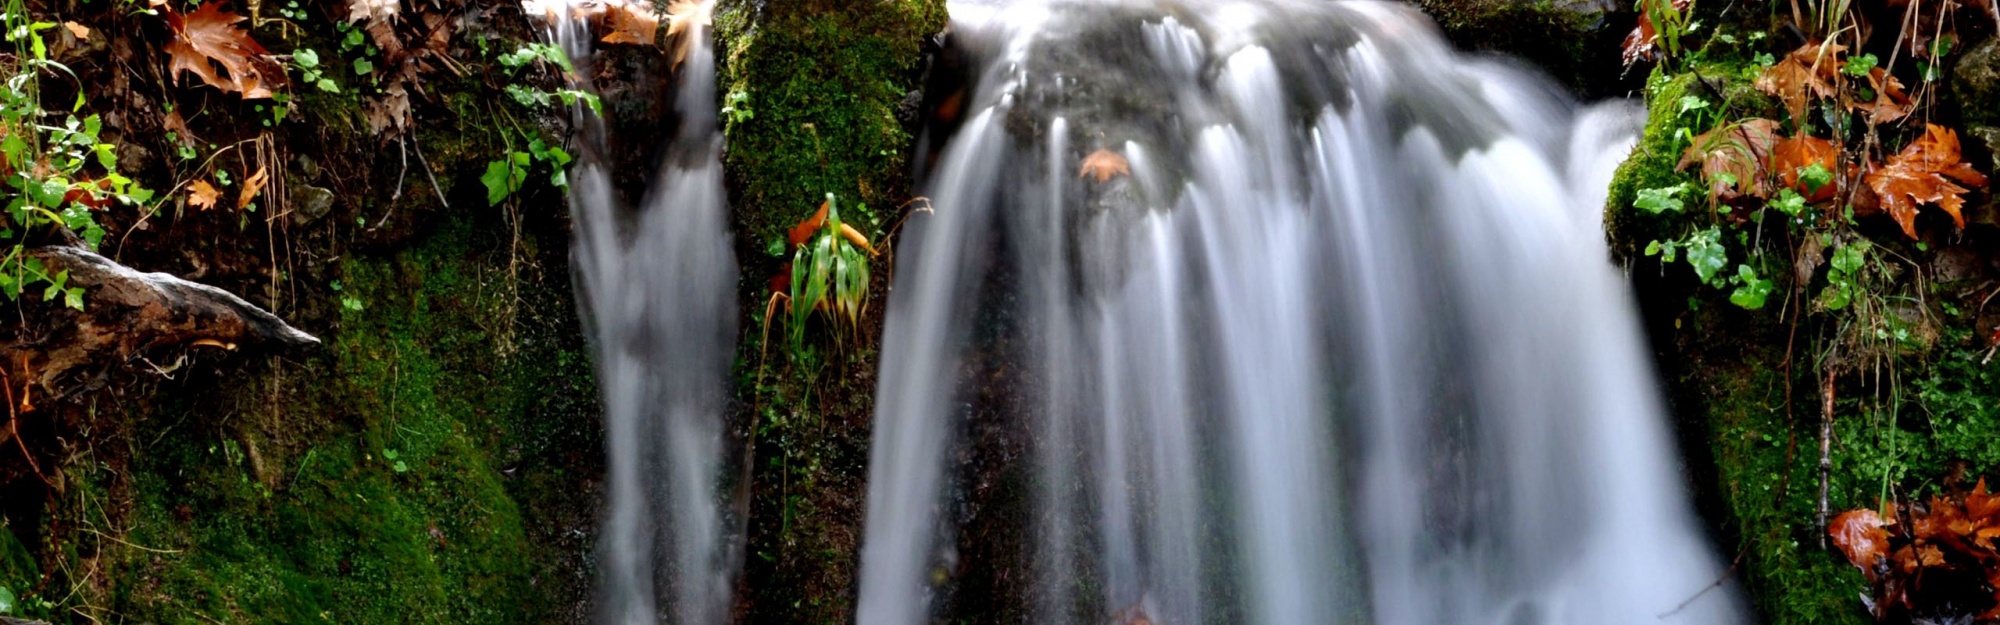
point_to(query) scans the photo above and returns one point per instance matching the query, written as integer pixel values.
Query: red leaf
(209, 37)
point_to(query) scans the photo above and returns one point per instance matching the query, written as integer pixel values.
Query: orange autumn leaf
(202, 195)
(799, 233)
(1793, 154)
(1103, 164)
(1808, 72)
(631, 23)
(1890, 103)
(208, 37)
(251, 187)
(1859, 535)
(1925, 172)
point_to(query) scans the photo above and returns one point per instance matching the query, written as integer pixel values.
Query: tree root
(127, 312)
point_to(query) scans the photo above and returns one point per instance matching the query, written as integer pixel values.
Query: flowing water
(657, 286)
(1343, 345)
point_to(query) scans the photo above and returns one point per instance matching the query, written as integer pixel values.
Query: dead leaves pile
(1749, 162)
(1935, 560)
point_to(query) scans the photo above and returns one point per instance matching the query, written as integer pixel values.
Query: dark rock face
(1977, 85)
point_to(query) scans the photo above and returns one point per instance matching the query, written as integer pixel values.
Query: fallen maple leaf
(1103, 164)
(202, 195)
(251, 187)
(1733, 151)
(1890, 103)
(391, 112)
(1859, 535)
(683, 18)
(631, 23)
(375, 10)
(81, 32)
(208, 37)
(1806, 73)
(1924, 173)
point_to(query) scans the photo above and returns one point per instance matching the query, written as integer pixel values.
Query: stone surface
(1976, 82)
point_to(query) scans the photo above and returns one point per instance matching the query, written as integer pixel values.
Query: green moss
(817, 93)
(370, 482)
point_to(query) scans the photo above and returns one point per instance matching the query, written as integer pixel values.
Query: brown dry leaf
(1806, 73)
(1859, 535)
(854, 236)
(1103, 165)
(631, 23)
(391, 112)
(1792, 154)
(375, 10)
(1738, 150)
(251, 187)
(1924, 173)
(805, 229)
(684, 17)
(81, 32)
(202, 195)
(1890, 103)
(208, 37)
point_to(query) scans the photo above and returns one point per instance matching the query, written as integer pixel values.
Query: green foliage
(55, 174)
(830, 273)
(1662, 199)
(505, 175)
(307, 62)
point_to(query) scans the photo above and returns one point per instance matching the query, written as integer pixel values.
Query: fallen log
(128, 312)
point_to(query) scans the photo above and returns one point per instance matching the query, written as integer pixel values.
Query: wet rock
(1977, 84)
(310, 203)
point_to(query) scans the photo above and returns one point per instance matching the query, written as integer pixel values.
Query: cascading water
(1326, 333)
(656, 284)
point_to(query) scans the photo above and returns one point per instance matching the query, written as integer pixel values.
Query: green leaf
(1753, 292)
(1836, 296)
(362, 66)
(73, 297)
(351, 303)
(1789, 202)
(495, 179)
(1814, 176)
(1706, 255)
(1848, 258)
(1858, 65)
(1691, 103)
(305, 58)
(1660, 200)
(6, 601)
(327, 85)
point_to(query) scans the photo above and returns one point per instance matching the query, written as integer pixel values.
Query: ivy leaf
(1660, 200)
(1754, 290)
(1706, 255)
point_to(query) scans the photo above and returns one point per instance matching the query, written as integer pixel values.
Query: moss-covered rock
(1575, 41)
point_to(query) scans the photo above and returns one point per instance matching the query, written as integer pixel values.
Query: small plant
(829, 273)
(506, 174)
(54, 174)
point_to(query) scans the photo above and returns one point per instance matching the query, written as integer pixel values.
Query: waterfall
(1326, 331)
(657, 287)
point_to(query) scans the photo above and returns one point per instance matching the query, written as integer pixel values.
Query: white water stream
(1344, 346)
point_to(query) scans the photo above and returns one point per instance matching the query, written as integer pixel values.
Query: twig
(401, 148)
(1719, 579)
(418, 146)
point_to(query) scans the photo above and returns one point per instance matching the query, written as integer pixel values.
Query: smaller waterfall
(657, 285)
